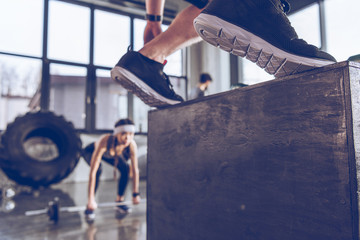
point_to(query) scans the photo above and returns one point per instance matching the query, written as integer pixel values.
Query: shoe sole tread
(240, 42)
(134, 85)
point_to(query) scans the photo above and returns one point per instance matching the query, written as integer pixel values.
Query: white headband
(124, 128)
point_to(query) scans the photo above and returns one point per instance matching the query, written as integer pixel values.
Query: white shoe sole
(135, 85)
(240, 42)
(122, 211)
(90, 218)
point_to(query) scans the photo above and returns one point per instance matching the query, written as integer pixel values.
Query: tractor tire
(41, 149)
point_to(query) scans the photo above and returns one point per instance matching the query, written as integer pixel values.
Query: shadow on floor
(14, 225)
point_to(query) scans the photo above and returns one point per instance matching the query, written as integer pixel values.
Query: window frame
(91, 78)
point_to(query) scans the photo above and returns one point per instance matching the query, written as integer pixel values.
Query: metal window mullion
(234, 70)
(90, 101)
(322, 25)
(130, 96)
(45, 76)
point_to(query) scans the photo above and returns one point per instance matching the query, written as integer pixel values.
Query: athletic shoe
(260, 31)
(89, 215)
(145, 78)
(123, 209)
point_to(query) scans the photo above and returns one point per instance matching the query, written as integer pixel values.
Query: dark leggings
(122, 166)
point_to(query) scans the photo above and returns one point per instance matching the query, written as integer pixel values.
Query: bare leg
(119, 198)
(142, 72)
(181, 33)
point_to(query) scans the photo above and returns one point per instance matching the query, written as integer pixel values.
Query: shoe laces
(285, 6)
(167, 80)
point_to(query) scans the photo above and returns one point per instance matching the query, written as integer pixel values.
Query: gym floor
(14, 225)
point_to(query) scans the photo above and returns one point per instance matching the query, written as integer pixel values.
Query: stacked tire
(39, 149)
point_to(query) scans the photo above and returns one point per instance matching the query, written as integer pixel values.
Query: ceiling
(296, 5)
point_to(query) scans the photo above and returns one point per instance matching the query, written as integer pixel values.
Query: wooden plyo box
(276, 160)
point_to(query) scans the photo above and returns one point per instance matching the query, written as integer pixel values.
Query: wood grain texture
(270, 161)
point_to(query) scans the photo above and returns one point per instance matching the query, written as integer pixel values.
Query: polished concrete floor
(15, 225)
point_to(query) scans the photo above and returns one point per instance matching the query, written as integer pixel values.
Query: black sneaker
(261, 32)
(145, 78)
(89, 215)
(123, 209)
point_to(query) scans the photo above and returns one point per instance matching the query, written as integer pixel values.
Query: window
(21, 26)
(140, 115)
(111, 101)
(253, 74)
(69, 32)
(112, 37)
(67, 93)
(307, 24)
(139, 26)
(84, 41)
(343, 33)
(19, 81)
